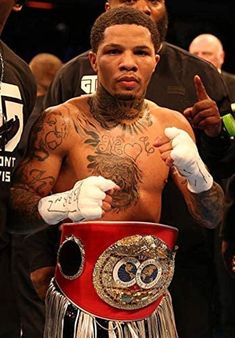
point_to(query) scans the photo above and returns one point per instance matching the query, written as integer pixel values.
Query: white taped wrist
(187, 160)
(83, 202)
(198, 177)
(53, 209)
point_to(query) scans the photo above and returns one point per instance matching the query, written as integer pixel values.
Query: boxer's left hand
(204, 114)
(177, 148)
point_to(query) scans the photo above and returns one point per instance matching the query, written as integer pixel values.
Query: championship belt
(118, 271)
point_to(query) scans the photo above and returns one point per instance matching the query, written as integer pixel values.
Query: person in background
(227, 278)
(44, 67)
(172, 85)
(17, 99)
(108, 156)
(210, 48)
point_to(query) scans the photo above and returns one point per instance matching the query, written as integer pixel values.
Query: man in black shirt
(17, 98)
(210, 48)
(173, 86)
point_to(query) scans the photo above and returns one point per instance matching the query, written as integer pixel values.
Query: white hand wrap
(83, 202)
(187, 160)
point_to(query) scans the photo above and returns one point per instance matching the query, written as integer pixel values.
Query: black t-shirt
(228, 230)
(17, 99)
(229, 227)
(171, 86)
(229, 80)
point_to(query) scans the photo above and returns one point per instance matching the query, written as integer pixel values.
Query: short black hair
(121, 16)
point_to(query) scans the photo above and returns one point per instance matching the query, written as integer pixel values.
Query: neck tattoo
(112, 111)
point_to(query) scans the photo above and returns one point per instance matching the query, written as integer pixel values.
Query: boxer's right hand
(87, 200)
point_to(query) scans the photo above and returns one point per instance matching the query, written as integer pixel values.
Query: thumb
(172, 132)
(105, 184)
(200, 89)
(188, 112)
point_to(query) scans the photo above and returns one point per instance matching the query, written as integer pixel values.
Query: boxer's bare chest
(123, 154)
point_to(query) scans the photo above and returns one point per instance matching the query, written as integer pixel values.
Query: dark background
(64, 29)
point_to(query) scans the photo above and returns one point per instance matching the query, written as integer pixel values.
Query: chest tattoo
(117, 160)
(138, 126)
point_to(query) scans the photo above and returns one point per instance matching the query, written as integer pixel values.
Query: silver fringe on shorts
(161, 324)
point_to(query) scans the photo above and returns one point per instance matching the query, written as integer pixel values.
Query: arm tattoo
(207, 207)
(47, 135)
(31, 183)
(28, 196)
(39, 182)
(28, 216)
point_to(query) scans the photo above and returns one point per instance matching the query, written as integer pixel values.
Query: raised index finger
(200, 89)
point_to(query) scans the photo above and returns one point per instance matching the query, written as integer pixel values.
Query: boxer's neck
(111, 111)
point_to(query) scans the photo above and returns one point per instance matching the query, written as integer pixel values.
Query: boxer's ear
(157, 59)
(92, 58)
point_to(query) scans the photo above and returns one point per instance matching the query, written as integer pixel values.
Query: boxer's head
(124, 44)
(122, 16)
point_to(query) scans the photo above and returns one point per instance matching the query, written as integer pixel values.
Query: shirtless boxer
(108, 156)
